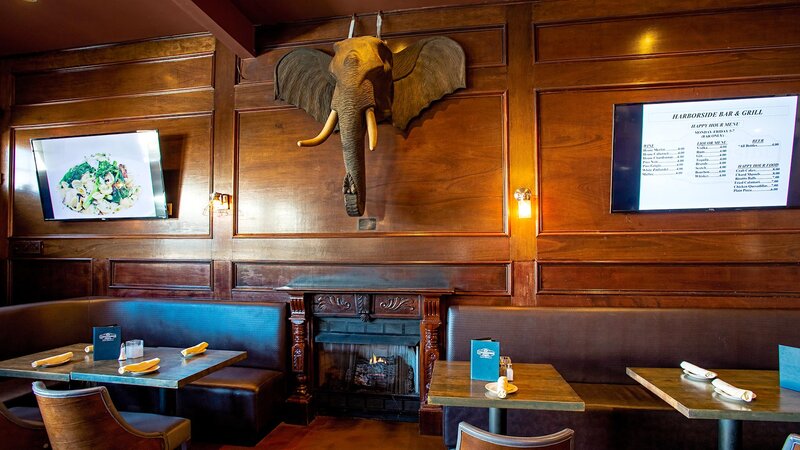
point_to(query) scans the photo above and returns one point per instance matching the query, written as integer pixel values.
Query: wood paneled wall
(542, 78)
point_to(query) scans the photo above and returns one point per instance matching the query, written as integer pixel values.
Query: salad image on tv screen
(109, 176)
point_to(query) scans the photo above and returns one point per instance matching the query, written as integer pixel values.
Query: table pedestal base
(730, 434)
(497, 420)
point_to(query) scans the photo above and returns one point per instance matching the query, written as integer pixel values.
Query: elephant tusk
(372, 129)
(323, 135)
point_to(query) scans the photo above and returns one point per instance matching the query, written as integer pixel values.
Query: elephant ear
(302, 78)
(423, 73)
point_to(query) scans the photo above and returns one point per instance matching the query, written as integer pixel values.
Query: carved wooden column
(430, 416)
(300, 400)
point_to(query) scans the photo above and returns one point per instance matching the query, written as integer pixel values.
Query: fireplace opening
(368, 369)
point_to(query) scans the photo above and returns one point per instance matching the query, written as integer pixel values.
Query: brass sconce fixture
(523, 197)
(219, 202)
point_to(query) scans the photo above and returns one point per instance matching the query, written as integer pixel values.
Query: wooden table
(697, 399)
(540, 387)
(174, 372)
(21, 367)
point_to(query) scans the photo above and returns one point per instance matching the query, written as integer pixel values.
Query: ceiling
(42, 25)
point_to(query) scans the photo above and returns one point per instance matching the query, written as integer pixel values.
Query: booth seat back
(30, 328)
(258, 328)
(594, 345)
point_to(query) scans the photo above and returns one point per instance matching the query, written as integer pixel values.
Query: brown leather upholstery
(234, 402)
(87, 419)
(591, 347)
(473, 438)
(22, 428)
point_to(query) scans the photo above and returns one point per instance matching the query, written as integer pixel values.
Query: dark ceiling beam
(224, 20)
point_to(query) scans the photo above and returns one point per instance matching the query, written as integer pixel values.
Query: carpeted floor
(337, 433)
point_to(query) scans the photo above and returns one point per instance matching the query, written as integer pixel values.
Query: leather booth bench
(239, 403)
(591, 347)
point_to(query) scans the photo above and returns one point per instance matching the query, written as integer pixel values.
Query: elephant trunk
(352, 128)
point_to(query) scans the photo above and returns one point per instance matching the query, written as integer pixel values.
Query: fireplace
(367, 369)
(335, 334)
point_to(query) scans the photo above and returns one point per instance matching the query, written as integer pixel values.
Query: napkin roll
(502, 387)
(733, 391)
(139, 367)
(698, 371)
(194, 349)
(58, 359)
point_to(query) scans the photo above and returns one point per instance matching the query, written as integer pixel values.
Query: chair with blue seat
(87, 419)
(473, 438)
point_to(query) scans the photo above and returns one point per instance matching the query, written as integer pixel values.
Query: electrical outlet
(27, 248)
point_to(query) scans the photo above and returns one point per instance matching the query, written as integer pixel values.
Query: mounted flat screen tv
(706, 155)
(103, 176)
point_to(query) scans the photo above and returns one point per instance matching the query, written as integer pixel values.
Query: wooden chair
(87, 419)
(473, 438)
(792, 442)
(21, 428)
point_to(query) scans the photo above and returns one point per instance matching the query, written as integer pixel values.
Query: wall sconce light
(523, 197)
(219, 202)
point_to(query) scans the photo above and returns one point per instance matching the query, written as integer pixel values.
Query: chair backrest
(20, 434)
(792, 442)
(473, 438)
(87, 419)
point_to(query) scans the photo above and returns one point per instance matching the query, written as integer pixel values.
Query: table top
(697, 399)
(21, 367)
(540, 387)
(174, 372)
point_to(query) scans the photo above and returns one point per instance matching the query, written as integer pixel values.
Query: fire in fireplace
(368, 369)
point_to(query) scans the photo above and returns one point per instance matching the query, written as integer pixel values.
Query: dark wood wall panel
(166, 275)
(150, 50)
(688, 33)
(557, 11)
(186, 162)
(483, 47)
(114, 80)
(36, 280)
(586, 194)
(117, 108)
(411, 187)
(592, 56)
(489, 279)
(622, 279)
(670, 247)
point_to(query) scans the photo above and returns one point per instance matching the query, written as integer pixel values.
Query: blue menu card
(789, 367)
(484, 360)
(106, 341)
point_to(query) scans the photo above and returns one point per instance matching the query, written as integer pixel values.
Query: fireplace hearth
(408, 318)
(368, 369)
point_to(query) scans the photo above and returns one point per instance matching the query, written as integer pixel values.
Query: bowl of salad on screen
(98, 186)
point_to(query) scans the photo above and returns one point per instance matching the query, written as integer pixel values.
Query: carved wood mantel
(366, 304)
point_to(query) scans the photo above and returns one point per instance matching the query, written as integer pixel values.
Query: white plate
(694, 377)
(492, 387)
(150, 370)
(725, 396)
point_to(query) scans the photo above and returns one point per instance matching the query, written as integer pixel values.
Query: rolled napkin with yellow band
(143, 366)
(733, 391)
(89, 348)
(53, 360)
(502, 387)
(199, 348)
(697, 371)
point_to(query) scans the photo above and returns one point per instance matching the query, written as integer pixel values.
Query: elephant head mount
(364, 83)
